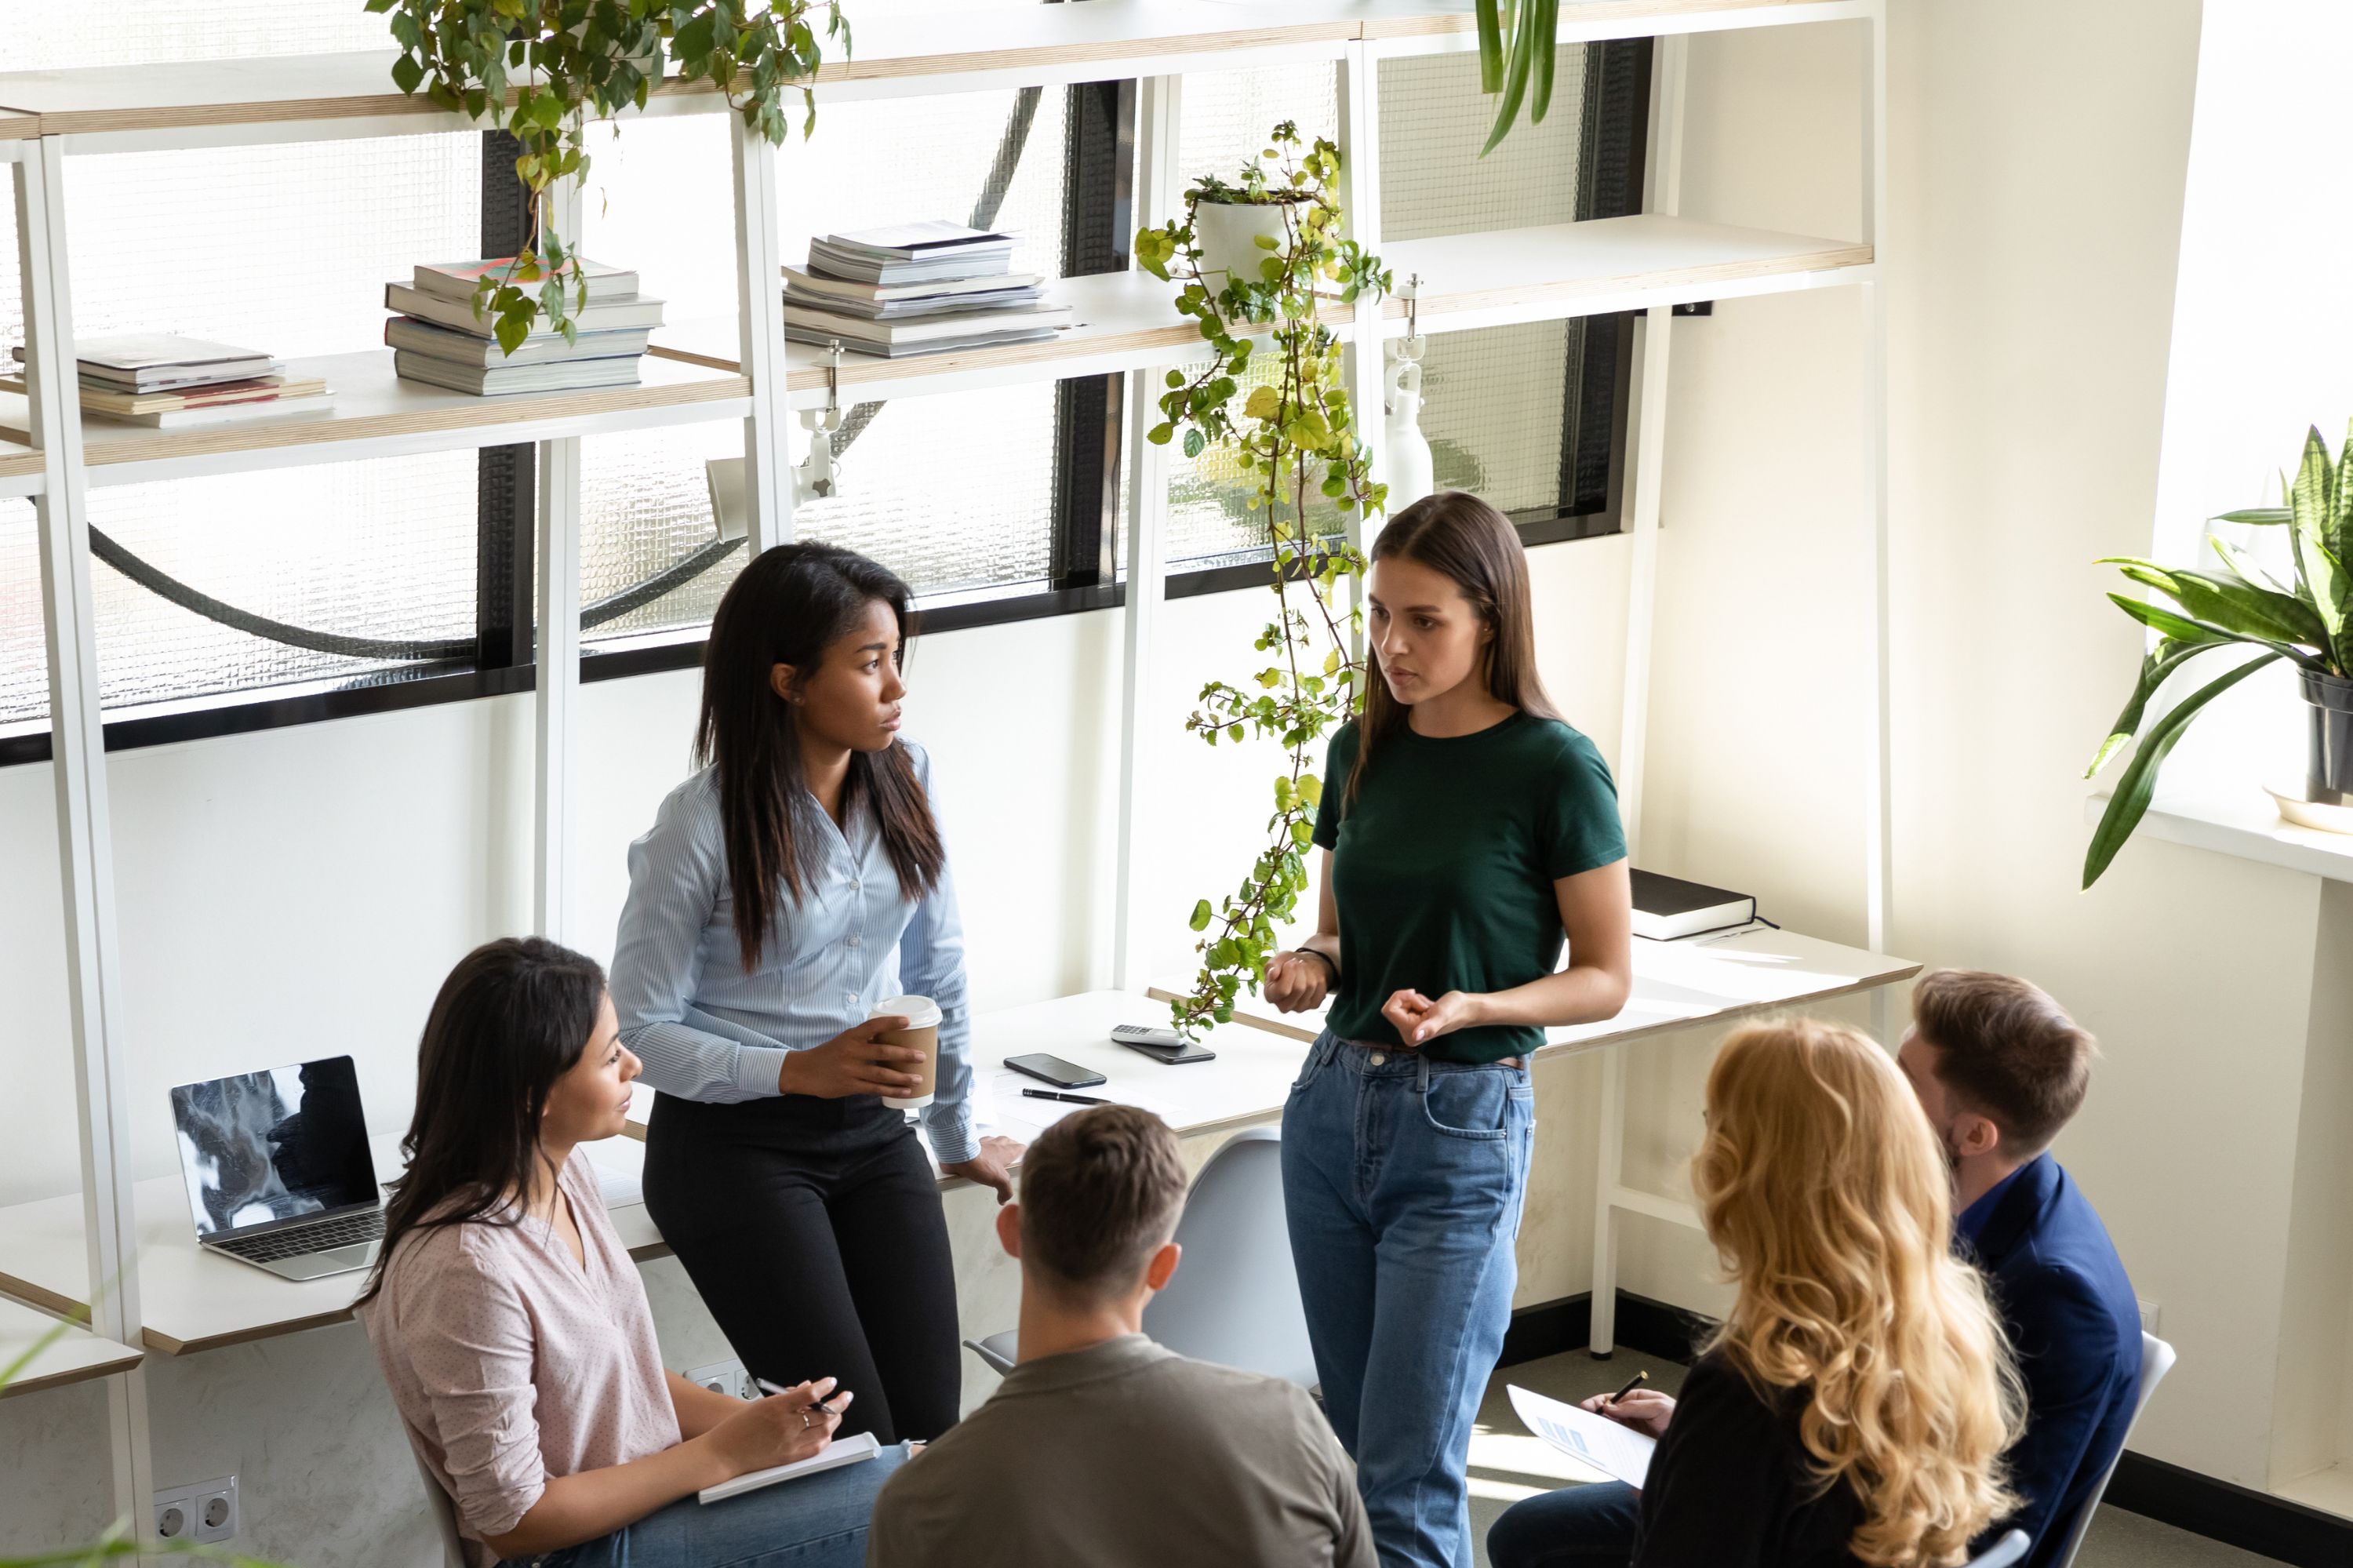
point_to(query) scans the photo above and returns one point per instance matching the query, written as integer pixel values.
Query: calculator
(1165, 1046)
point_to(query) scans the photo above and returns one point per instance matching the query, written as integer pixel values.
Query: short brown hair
(2007, 1050)
(1100, 1193)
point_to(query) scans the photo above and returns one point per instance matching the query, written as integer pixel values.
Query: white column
(1663, 194)
(760, 314)
(557, 560)
(1878, 784)
(1157, 189)
(1360, 194)
(85, 843)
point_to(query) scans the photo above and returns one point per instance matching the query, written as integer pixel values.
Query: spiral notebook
(849, 1451)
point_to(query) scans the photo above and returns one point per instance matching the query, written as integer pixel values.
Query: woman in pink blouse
(512, 1326)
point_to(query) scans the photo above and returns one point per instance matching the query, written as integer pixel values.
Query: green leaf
(1544, 23)
(2225, 602)
(1201, 914)
(1194, 442)
(2160, 662)
(1158, 435)
(2137, 787)
(406, 73)
(2259, 515)
(1515, 84)
(2166, 623)
(1491, 47)
(2245, 566)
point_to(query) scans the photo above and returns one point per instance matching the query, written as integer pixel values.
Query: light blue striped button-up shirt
(708, 1030)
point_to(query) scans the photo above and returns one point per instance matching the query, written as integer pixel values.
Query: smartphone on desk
(1054, 1070)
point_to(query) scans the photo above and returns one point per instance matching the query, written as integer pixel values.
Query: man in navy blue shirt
(2000, 1068)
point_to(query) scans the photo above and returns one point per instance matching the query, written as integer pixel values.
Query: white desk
(75, 1354)
(192, 1301)
(1701, 980)
(1676, 985)
(1246, 1084)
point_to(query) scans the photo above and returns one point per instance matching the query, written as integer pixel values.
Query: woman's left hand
(1418, 1021)
(992, 1166)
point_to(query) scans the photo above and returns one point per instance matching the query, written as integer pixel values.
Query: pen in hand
(820, 1408)
(1636, 1381)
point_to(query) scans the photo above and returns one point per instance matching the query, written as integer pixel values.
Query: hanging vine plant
(1257, 261)
(539, 70)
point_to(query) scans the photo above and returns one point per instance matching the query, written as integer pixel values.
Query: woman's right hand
(1297, 983)
(857, 1061)
(1645, 1410)
(780, 1429)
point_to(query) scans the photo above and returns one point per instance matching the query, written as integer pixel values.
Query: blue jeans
(1402, 1180)
(814, 1521)
(1590, 1526)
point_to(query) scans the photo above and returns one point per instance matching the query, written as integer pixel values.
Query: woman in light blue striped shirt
(801, 1204)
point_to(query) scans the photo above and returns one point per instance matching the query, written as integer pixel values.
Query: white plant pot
(1225, 234)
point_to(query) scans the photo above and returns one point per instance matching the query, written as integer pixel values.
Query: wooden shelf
(377, 414)
(75, 1355)
(20, 469)
(1604, 264)
(1098, 40)
(1676, 986)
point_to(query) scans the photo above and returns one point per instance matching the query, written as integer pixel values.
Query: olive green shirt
(1443, 868)
(1126, 1454)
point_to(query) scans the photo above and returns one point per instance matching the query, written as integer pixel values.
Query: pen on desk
(820, 1408)
(1058, 1095)
(1636, 1381)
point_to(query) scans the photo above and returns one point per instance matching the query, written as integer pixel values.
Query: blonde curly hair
(1829, 1206)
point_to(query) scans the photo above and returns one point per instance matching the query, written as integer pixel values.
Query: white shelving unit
(745, 369)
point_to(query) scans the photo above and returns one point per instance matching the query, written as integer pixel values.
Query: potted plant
(538, 68)
(2308, 622)
(1294, 437)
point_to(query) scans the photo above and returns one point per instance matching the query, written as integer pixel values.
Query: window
(282, 596)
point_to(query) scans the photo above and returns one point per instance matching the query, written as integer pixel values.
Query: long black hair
(789, 605)
(1456, 533)
(513, 1017)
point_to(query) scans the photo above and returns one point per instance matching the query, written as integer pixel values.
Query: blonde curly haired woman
(1855, 1406)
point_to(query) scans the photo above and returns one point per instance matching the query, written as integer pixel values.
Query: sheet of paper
(1619, 1452)
(849, 1451)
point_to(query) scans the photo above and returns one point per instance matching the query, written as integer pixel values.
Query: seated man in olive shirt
(1101, 1447)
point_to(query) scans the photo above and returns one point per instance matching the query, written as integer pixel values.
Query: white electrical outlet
(215, 1509)
(176, 1514)
(2148, 1314)
(725, 1377)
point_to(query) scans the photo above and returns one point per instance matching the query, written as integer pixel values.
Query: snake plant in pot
(2307, 622)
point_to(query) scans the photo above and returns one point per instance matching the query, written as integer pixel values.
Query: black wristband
(1329, 962)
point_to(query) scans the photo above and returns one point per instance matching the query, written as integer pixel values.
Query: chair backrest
(1235, 1298)
(2003, 1553)
(2156, 1361)
(445, 1514)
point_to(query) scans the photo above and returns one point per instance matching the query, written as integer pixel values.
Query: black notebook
(1666, 907)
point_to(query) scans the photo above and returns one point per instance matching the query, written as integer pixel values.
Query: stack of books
(168, 383)
(916, 288)
(437, 339)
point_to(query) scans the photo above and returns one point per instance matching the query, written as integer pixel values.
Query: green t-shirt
(1443, 868)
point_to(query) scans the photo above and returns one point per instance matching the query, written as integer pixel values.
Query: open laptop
(277, 1169)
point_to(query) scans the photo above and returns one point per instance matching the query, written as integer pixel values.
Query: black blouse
(1732, 1485)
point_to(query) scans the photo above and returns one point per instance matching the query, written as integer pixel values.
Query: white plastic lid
(920, 1012)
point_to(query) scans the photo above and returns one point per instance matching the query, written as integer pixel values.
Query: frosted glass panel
(1433, 123)
(646, 506)
(24, 670)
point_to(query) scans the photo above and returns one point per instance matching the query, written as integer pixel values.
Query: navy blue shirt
(2062, 1292)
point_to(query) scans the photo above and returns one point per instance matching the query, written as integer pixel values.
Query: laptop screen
(264, 1147)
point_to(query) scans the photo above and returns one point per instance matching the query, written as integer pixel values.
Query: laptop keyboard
(300, 1241)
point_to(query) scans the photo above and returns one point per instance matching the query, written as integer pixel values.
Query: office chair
(445, 1514)
(1235, 1299)
(2003, 1553)
(2156, 1360)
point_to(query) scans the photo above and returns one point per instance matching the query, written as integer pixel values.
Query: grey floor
(1507, 1464)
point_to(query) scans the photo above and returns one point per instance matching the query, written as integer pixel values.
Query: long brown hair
(1461, 536)
(513, 1017)
(789, 605)
(1824, 1193)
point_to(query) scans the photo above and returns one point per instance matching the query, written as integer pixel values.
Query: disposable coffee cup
(922, 1031)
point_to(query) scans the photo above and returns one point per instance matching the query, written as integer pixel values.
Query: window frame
(1084, 553)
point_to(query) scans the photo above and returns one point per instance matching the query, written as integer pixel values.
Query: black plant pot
(2329, 769)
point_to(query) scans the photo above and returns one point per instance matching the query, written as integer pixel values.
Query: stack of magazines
(916, 288)
(437, 339)
(168, 383)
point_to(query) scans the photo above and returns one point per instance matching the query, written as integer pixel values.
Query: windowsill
(2240, 823)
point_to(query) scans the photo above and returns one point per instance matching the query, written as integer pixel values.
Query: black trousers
(813, 1229)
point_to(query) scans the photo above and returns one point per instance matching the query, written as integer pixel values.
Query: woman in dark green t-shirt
(1466, 831)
